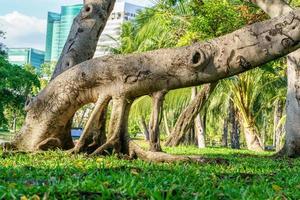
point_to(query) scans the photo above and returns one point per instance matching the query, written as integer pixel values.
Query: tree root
(155, 120)
(187, 117)
(137, 152)
(117, 128)
(88, 138)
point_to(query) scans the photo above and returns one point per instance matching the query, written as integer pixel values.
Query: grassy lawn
(55, 175)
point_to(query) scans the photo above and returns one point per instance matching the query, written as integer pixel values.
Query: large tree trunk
(125, 78)
(80, 46)
(187, 118)
(291, 148)
(84, 34)
(292, 127)
(155, 120)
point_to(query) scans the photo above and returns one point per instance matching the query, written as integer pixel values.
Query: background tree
(16, 84)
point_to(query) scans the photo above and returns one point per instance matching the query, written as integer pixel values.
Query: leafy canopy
(16, 84)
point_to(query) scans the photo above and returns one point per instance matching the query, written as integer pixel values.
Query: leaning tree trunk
(187, 117)
(83, 38)
(125, 78)
(80, 46)
(155, 120)
(291, 148)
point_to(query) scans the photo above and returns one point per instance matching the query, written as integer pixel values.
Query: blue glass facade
(51, 38)
(58, 27)
(23, 56)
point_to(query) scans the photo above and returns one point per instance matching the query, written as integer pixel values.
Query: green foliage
(216, 18)
(46, 73)
(16, 84)
(58, 175)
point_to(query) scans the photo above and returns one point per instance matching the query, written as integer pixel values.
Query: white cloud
(23, 31)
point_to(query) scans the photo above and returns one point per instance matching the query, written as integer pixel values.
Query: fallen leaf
(35, 197)
(23, 198)
(277, 188)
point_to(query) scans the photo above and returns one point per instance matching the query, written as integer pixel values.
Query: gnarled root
(118, 128)
(155, 120)
(137, 152)
(94, 131)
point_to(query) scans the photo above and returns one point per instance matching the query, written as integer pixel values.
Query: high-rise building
(52, 38)
(59, 26)
(123, 11)
(23, 56)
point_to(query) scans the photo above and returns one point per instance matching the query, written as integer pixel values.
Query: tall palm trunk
(277, 130)
(155, 120)
(252, 139)
(145, 128)
(234, 132)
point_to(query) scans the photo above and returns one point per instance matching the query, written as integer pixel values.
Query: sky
(25, 21)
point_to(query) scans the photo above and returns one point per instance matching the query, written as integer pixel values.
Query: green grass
(57, 175)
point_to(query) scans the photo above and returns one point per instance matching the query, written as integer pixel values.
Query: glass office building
(52, 39)
(59, 26)
(22, 56)
(123, 11)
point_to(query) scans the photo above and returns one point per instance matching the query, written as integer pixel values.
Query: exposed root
(8, 146)
(137, 152)
(155, 120)
(49, 144)
(117, 128)
(89, 136)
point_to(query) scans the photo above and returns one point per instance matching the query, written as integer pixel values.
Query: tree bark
(84, 34)
(155, 120)
(81, 44)
(131, 76)
(291, 148)
(292, 142)
(187, 117)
